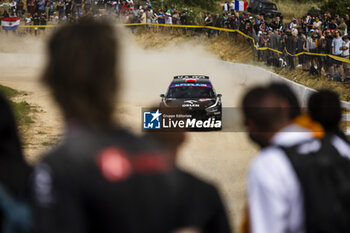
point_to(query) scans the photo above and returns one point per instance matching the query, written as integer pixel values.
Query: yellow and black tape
(342, 59)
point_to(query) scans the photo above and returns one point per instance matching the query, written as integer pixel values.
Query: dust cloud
(218, 157)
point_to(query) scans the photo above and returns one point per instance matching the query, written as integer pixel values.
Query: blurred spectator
(322, 48)
(20, 9)
(311, 46)
(5, 14)
(345, 54)
(168, 18)
(41, 6)
(196, 213)
(102, 178)
(342, 26)
(271, 181)
(301, 47)
(337, 43)
(176, 18)
(226, 7)
(14, 175)
(142, 16)
(291, 42)
(161, 17)
(60, 8)
(77, 7)
(87, 6)
(68, 7)
(347, 21)
(209, 22)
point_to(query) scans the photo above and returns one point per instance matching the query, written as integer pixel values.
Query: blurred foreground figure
(297, 183)
(14, 176)
(101, 178)
(269, 120)
(202, 207)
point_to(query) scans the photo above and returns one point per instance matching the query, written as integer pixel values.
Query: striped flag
(10, 24)
(239, 5)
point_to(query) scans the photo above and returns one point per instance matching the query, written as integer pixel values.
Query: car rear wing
(191, 77)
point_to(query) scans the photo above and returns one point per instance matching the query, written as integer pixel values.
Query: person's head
(347, 17)
(285, 93)
(324, 107)
(346, 38)
(337, 34)
(265, 113)
(328, 33)
(81, 71)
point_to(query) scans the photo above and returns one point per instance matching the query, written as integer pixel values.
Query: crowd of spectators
(60, 11)
(321, 33)
(103, 178)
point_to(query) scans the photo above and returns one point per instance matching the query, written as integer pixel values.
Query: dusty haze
(218, 157)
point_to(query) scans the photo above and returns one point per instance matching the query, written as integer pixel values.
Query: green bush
(340, 7)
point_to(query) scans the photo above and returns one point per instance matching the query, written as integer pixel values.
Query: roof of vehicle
(264, 1)
(191, 78)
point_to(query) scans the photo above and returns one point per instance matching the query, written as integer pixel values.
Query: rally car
(193, 94)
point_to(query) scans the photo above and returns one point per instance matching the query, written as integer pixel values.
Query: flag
(245, 5)
(236, 5)
(10, 23)
(239, 5)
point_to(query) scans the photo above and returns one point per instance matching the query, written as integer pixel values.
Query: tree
(340, 7)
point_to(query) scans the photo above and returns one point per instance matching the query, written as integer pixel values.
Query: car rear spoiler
(191, 77)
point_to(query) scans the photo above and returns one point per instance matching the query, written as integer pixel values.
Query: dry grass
(221, 46)
(231, 49)
(316, 82)
(290, 8)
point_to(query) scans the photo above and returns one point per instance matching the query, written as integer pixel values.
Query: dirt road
(219, 157)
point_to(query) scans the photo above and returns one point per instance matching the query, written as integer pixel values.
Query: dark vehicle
(264, 7)
(193, 94)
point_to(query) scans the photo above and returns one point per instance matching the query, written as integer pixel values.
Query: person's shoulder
(269, 160)
(192, 182)
(86, 144)
(266, 156)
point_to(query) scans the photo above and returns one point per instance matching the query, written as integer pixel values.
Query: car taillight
(191, 81)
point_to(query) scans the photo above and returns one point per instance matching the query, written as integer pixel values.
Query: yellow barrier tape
(342, 59)
(38, 26)
(213, 28)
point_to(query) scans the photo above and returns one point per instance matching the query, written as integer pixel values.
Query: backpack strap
(323, 175)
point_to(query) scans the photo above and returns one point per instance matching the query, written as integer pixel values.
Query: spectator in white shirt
(226, 6)
(232, 6)
(274, 191)
(275, 201)
(346, 52)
